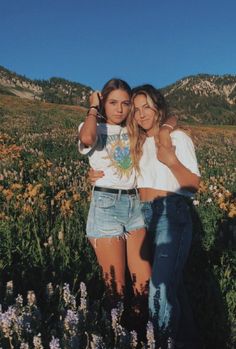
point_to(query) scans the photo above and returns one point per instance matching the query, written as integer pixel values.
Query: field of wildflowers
(51, 293)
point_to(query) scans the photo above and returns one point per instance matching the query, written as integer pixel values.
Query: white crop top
(111, 154)
(154, 174)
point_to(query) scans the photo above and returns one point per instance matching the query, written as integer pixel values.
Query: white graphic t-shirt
(111, 154)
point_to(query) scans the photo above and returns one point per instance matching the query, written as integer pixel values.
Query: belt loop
(119, 194)
(93, 189)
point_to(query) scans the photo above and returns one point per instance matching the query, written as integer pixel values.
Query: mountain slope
(55, 90)
(203, 98)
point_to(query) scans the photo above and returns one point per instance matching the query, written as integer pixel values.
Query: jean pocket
(105, 201)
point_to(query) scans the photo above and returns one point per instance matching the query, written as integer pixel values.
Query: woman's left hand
(166, 155)
(94, 175)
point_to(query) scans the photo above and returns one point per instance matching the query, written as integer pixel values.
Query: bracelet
(94, 107)
(167, 125)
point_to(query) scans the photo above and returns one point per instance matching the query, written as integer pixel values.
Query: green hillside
(204, 99)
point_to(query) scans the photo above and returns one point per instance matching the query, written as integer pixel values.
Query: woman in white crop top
(115, 225)
(166, 175)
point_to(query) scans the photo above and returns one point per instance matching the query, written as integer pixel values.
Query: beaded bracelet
(92, 107)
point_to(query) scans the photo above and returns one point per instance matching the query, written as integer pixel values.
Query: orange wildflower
(27, 208)
(66, 207)
(16, 186)
(60, 194)
(8, 194)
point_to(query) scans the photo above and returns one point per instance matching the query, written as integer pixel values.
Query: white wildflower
(115, 319)
(69, 299)
(37, 341)
(97, 342)
(170, 343)
(9, 288)
(24, 345)
(196, 202)
(54, 344)
(19, 301)
(61, 235)
(31, 298)
(9, 322)
(49, 290)
(133, 339)
(50, 241)
(150, 336)
(83, 297)
(71, 321)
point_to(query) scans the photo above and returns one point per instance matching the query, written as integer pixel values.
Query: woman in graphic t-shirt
(115, 225)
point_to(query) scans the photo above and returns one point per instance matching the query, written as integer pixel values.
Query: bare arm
(184, 176)
(166, 129)
(88, 132)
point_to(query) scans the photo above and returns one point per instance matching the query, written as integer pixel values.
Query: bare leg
(138, 257)
(111, 256)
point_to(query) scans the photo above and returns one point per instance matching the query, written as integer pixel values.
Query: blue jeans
(169, 225)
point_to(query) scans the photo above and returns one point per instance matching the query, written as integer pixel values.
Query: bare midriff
(149, 194)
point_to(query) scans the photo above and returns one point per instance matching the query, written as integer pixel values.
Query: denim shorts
(113, 215)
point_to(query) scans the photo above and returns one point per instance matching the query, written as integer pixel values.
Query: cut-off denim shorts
(113, 215)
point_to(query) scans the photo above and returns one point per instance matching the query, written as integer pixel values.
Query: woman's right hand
(94, 175)
(167, 155)
(94, 99)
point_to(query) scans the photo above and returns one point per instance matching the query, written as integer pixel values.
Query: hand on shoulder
(166, 155)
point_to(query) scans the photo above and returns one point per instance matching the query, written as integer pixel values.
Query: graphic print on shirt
(118, 152)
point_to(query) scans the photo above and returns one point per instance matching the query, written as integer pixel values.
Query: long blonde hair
(137, 135)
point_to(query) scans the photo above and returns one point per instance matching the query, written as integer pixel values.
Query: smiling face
(144, 114)
(117, 107)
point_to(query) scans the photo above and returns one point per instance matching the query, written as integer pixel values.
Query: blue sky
(141, 41)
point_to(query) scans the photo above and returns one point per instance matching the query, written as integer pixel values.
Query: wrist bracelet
(94, 107)
(88, 112)
(167, 125)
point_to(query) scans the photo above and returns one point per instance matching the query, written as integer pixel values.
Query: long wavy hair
(112, 85)
(137, 135)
